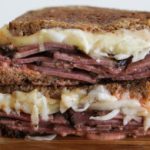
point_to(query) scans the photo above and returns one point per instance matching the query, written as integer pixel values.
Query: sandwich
(76, 71)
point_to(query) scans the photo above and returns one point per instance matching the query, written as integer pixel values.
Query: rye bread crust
(92, 19)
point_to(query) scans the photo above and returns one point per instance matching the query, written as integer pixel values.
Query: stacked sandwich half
(80, 71)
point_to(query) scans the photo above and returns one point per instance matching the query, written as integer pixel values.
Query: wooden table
(72, 143)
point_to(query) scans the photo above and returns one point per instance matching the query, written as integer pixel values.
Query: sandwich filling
(80, 100)
(120, 44)
(96, 106)
(56, 63)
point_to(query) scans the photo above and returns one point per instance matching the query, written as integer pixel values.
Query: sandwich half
(81, 71)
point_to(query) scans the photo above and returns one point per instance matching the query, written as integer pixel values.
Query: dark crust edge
(92, 19)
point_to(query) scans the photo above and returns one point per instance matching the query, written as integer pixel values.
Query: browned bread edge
(92, 19)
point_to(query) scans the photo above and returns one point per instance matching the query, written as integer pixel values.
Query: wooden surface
(75, 144)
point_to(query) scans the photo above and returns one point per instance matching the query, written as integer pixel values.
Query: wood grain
(72, 143)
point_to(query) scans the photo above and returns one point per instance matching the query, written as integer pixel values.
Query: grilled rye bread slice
(90, 19)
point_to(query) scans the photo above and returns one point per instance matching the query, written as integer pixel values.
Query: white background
(9, 9)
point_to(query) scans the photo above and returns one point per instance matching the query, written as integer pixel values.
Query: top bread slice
(92, 19)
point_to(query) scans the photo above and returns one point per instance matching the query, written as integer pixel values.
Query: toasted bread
(92, 19)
